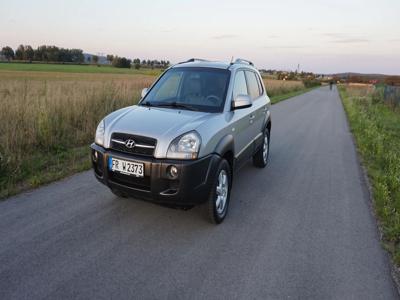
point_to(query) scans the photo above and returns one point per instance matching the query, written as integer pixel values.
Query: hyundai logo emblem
(129, 144)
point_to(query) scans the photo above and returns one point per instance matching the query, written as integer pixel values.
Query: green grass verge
(278, 98)
(376, 129)
(41, 168)
(40, 67)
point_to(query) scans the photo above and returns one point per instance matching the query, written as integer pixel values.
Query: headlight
(99, 139)
(185, 146)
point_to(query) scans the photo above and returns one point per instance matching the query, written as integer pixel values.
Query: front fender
(225, 144)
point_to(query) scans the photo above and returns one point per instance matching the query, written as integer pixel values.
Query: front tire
(218, 200)
(260, 159)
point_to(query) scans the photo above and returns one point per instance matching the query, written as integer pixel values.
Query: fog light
(173, 171)
(95, 156)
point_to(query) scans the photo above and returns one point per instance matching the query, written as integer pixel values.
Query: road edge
(394, 270)
(287, 96)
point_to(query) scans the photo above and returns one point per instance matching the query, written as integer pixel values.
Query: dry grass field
(48, 119)
(280, 87)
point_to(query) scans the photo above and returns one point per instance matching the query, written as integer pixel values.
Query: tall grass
(280, 87)
(54, 116)
(376, 130)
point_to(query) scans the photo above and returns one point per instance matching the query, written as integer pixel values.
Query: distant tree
(95, 59)
(89, 59)
(77, 55)
(40, 53)
(8, 53)
(121, 62)
(20, 52)
(137, 66)
(53, 53)
(144, 62)
(110, 58)
(29, 53)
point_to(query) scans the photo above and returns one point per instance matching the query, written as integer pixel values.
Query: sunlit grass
(376, 129)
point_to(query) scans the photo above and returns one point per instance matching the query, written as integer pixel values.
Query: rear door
(242, 121)
(258, 109)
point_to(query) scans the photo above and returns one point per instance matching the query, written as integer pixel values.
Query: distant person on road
(330, 85)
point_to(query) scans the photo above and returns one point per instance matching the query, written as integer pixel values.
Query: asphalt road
(300, 229)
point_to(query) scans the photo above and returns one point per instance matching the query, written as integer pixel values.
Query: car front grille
(142, 145)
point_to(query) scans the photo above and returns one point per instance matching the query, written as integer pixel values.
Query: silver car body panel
(166, 124)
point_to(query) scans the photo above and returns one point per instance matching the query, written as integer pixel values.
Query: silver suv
(180, 145)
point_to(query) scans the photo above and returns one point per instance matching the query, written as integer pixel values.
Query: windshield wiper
(174, 105)
(147, 103)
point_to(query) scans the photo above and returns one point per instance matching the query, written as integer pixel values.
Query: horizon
(328, 38)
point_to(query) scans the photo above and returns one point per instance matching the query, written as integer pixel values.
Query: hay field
(45, 117)
(280, 87)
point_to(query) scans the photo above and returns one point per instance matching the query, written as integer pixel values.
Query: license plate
(126, 167)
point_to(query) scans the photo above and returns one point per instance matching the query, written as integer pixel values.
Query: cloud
(351, 41)
(224, 36)
(284, 47)
(343, 38)
(334, 35)
(166, 30)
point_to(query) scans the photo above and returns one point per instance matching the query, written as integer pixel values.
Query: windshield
(202, 89)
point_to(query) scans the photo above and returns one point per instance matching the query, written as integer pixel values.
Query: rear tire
(218, 201)
(261, 158)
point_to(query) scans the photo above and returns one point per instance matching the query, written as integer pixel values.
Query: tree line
(136, 63)
(43, 53)
(50, 54)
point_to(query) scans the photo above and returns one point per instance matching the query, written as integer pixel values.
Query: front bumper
(191, 187)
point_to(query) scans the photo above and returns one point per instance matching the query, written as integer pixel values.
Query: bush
(308, 83)
(377, 96)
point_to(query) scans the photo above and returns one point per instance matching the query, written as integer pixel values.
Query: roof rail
(241, 61)
(192, 60)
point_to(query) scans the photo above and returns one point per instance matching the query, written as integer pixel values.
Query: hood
(162, 124)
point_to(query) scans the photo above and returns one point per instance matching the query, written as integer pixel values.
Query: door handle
(252, 118)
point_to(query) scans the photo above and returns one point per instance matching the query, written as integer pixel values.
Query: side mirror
(144, 92)
(242, 101)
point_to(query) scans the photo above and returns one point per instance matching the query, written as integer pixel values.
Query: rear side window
(240, 87)
(260, 84)
(253, 85)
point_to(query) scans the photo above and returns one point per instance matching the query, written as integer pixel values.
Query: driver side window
(240, 86)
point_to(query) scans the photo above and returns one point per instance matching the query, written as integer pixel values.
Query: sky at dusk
(321, 36)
